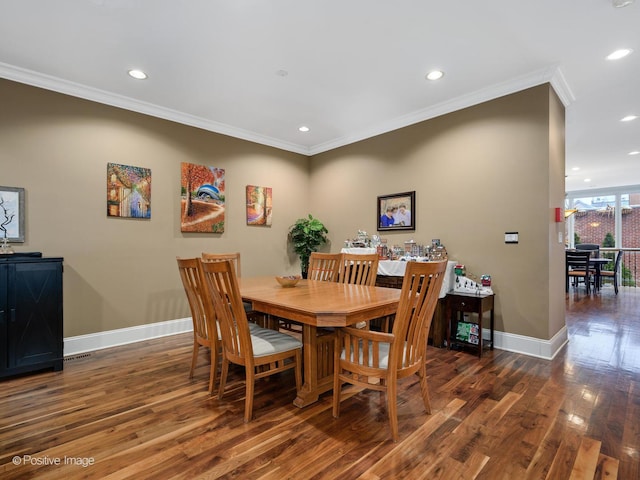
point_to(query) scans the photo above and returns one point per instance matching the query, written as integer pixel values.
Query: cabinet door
(35, 313)
(4, 313)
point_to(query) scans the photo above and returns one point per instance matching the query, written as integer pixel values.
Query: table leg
(480, 341)
(308, 392)
(317, 353)
(492, 320)
(449, 327)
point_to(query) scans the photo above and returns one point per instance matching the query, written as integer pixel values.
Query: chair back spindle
(358, 269)
(324, 266)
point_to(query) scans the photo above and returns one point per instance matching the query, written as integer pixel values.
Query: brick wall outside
(593, 225)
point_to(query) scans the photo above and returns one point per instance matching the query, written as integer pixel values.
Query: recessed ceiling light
(303, 128)
(587, 180)
(628, 118)
(575, 169)
(137, 74)
(435, 75)
(635, 152)
(618, 54)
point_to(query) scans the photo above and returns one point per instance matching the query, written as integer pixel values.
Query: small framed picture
(397, 211)
(12, 214)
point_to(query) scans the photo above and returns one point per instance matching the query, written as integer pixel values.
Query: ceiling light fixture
(628, 118)
(621, 3)
(303, 128)
(435, 75)
(635, 152)
(137, 74)
(618, 54)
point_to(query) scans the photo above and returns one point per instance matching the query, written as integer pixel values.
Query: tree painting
(128, 191)
(259, 205)
(11, 214)
(7, 217)
(202, 198)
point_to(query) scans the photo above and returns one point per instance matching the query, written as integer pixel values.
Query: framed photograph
(12, 214)
(397, 211)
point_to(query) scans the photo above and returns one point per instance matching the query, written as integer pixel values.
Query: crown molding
(552, 75)
(73, 89)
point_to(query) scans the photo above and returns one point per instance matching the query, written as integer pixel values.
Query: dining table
(319, 307)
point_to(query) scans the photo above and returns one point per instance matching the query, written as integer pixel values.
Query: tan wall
(556, 199)
(122, 272)
(477, 173)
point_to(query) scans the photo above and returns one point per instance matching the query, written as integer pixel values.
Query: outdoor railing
(629, 272)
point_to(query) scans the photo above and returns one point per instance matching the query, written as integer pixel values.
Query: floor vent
(77, 357)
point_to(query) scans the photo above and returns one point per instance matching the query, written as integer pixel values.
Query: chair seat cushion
(266, 341)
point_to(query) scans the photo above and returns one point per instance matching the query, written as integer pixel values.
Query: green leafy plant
(306, 235)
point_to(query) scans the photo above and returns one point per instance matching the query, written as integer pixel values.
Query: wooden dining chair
(324, 266)
(205, 332)
(358, 269)
(377, 360)
(261, 351)
(577, 267)
(361, 269)
(217, 257)
(613, 274)
(252, 315)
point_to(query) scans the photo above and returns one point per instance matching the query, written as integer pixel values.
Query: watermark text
(46, 460)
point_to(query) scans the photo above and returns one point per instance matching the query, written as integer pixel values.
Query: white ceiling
(355, 68)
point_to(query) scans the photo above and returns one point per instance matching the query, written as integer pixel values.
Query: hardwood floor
(132, 412)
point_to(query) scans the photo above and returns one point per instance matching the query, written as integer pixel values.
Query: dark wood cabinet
(30, 314)
(460, 303)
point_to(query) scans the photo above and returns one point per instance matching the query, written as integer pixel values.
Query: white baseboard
(535, 347)
(123, 336)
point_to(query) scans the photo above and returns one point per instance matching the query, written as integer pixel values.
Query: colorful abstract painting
(202, 199)
(128, 191)
(259, 206)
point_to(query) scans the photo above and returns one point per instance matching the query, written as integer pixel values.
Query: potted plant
(306, 235)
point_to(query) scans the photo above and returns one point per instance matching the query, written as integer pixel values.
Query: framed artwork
(128, 191)
(259, 205)
(12, 214)
(202, 199)
(397, 211)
